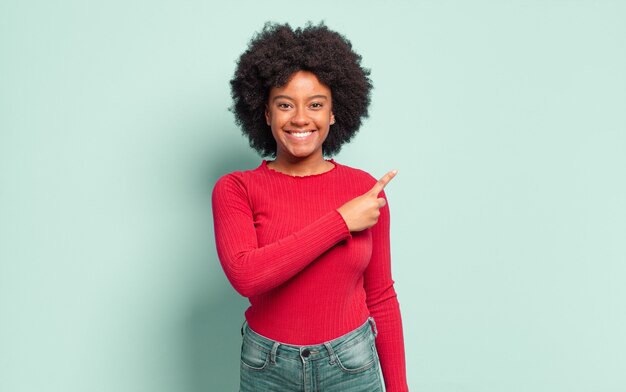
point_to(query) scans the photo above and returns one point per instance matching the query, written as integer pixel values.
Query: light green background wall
(507, 120)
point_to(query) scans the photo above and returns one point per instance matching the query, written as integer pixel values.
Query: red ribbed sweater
(283, 244)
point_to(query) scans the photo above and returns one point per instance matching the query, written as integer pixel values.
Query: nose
(300, 117)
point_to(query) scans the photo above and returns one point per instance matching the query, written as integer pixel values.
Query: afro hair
(276, 53)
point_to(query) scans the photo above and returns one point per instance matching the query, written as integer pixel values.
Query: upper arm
(378, 282)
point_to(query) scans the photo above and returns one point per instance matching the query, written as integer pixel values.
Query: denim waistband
(310, 352)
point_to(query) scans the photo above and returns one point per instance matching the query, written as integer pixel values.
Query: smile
(299, 135)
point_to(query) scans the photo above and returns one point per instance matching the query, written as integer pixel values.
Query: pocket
(253, 357)
(358, 357)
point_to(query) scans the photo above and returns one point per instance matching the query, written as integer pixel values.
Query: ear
(332, 118)
(267, 115)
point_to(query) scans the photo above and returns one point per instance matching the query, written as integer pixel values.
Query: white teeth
(301, 135)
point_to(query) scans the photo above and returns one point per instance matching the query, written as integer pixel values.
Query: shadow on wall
(213, 333)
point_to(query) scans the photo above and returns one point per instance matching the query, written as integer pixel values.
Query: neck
(300, 167)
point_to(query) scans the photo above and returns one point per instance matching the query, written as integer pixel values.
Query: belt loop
(331, 352)
(243, 326)
(373, 324)
(273, 354)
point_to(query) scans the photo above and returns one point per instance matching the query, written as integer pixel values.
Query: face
(300, 115)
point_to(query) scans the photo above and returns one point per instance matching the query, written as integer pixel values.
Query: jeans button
(306, 352)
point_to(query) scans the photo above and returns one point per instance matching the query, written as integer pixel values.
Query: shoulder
(235, 182)
(358, 175)
(361, 178)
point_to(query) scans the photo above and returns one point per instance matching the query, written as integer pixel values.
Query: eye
(283, 105)
(317, 105)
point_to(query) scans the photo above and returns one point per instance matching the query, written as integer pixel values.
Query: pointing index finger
(380, 185)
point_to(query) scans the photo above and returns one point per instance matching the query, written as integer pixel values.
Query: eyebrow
(288, 97)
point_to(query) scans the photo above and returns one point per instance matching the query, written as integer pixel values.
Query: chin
(301, 153)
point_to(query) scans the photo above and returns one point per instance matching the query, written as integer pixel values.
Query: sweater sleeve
(253, 270)
(383, 306)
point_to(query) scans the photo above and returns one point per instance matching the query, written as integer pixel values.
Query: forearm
(254, 270)
(390, 344)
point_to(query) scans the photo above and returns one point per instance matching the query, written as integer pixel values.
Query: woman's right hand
(363, 211)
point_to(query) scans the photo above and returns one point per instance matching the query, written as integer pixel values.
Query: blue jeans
(346, 364)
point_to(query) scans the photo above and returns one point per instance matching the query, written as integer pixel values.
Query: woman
(305, 238)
